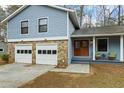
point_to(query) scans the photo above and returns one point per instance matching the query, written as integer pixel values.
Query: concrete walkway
(14, 75)
(74, 68)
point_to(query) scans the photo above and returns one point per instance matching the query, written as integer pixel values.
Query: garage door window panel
(39, 51)
(44, 51)
(29, 51)
(54, 52)
(26, 51)
(18, 51)
(22, 51)
(48, 51)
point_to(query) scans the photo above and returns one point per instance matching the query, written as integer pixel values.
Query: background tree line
(4, 12)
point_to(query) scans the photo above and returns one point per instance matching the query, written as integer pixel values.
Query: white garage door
(23, 53)
(46, 54)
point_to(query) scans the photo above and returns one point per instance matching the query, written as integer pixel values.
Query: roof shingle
(99, 31)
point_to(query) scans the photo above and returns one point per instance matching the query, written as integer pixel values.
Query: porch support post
(94, 47)
(121, 48)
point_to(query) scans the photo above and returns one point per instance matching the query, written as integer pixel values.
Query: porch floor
(74, 68)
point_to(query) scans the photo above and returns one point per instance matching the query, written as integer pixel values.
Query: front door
(81, 48)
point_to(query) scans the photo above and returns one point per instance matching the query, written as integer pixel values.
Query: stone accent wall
(11, 52)
(62, 57)
(33, 53)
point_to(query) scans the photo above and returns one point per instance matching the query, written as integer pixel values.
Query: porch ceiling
(99, 31)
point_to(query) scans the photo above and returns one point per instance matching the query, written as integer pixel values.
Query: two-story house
(46, 34)
(40, 34)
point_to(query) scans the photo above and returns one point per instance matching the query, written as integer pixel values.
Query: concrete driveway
(14, 75)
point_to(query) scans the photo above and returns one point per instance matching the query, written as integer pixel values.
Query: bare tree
(81, 14)
(119, 14)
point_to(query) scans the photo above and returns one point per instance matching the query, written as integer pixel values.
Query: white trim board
(121, 48)
(91, 35)
(38, 39)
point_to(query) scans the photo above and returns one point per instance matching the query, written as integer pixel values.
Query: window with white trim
(43, 25)
(24, 27)
(102, 45)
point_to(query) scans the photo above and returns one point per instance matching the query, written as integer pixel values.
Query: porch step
(77, 62)
(80, 61)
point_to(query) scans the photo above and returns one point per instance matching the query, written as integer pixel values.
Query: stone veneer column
(62, 54)
(33, 53)
(11, 52)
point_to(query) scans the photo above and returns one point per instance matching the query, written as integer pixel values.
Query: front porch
(85, 49)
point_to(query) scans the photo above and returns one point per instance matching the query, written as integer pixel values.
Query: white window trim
(38, 25)
(20, 26)
(107, 45)
(121, 48)
(2, 49)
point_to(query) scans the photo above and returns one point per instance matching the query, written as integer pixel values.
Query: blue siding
(57, 22)
(114, 46)
(70, 49)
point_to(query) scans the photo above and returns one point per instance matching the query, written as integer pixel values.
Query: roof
(72, 14)
(99, 31)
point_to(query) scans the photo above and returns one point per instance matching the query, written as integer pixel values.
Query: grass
(102, 76)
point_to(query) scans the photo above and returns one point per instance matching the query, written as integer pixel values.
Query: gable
(34, 11)
(57, 23)
(71, 13)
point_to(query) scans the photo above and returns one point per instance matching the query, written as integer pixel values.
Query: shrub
(5, 57)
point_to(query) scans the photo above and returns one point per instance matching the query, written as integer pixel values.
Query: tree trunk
(81, 15)
(119, 12)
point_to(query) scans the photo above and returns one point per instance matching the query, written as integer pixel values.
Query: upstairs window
(24, 27)
(42, 25)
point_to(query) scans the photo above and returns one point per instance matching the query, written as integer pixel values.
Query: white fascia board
(61, 8)
(38, 39)
(115, 34)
